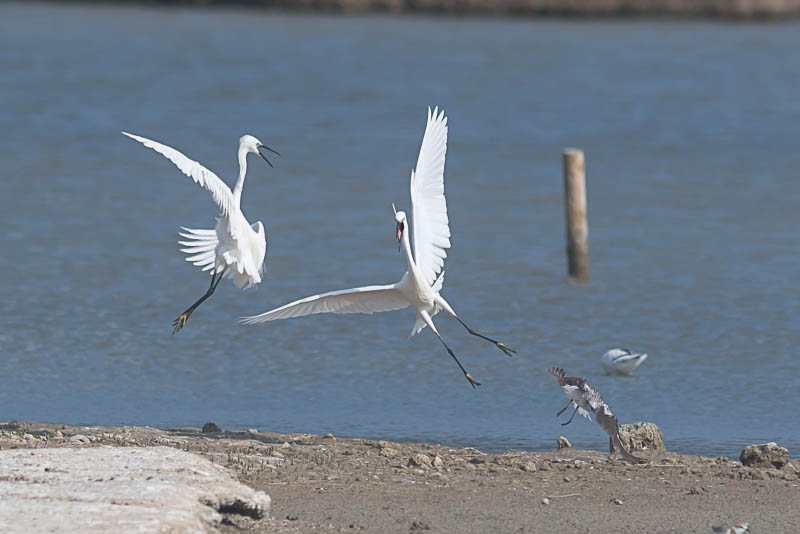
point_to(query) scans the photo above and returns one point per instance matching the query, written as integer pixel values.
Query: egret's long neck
(237, 189)
(412, 267)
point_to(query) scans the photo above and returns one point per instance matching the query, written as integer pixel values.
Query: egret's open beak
(399, 235)
(265, 157)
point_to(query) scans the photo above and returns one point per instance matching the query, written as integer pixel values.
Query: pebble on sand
(529, 466)
(420, 460)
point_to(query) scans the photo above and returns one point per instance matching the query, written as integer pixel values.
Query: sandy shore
(334, 484)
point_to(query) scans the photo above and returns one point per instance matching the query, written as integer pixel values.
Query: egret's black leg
(499, 345)
(564, 408)
(181, 320)
(472, 381)
(570, 419)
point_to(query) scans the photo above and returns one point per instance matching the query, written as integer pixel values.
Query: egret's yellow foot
(180, 321)
(472, 381)
(507, 350)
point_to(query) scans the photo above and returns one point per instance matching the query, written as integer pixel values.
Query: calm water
(691, 132)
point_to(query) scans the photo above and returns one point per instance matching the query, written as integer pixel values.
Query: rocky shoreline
(736, 9)
(333, 484)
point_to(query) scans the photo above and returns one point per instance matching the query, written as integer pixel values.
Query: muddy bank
(334, 484)
(739, 9)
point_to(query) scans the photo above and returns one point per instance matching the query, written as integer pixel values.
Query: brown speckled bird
(587, 401)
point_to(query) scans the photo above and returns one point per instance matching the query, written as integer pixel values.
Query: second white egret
(421, 285)
(234, 248)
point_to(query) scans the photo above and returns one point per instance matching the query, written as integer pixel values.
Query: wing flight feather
(219, 190)
(368, 300)
(431, 228)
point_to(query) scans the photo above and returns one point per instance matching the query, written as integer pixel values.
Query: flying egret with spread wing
(421, 285)
(234, 248)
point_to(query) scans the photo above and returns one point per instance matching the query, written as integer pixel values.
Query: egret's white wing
(431, 226)
(220, 192)
(369, 299)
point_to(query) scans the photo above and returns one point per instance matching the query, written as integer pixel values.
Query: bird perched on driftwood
(588, 401)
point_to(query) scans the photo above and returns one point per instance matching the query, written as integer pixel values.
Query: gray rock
(563, 443)
(642, 436)
(210, 428)
(118, 489)
(765, 455)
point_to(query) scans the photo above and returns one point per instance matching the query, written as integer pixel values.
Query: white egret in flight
(234, 248)
(421, 284)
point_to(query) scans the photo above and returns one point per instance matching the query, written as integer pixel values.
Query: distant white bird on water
(234, 248)
(587, 401)
(622, 361)
(730, 529)
(421, 284)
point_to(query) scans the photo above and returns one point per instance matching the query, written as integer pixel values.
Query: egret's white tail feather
(201, 245)
(419, 324)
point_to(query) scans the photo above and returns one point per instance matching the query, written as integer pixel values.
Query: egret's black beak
(265, 157)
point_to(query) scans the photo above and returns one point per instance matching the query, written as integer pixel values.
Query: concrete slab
(118, 489)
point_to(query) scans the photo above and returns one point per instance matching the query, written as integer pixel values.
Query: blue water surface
(690, 130)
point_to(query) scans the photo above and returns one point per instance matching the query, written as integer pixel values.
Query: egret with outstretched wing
(421, 285)
(234, 248)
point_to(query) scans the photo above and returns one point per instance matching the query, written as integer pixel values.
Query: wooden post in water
(575, 204)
